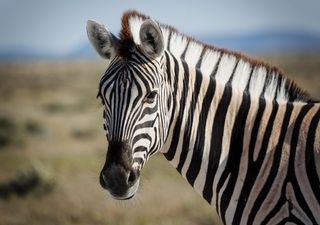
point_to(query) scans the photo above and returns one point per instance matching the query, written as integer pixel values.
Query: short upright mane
(269, 80)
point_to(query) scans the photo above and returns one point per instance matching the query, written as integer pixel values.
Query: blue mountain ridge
(268, 42)
(259, 42)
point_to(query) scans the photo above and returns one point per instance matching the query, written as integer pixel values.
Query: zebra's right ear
(151, 38)
(104, 42)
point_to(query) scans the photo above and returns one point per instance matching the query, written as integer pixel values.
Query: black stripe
(233, 71)
(142, 77)
(120, 108)
(291, 220)
(215, 70)
(280, 81)
(134, 117)
(128, 97)
(209, 176)
(169, 39)
(189, 123)
(168, 67)
(310, 157)
(255, 167)
(149, 110)
(198, 65)
(144, 125)
(266, 82)
(275, 165)
(291, 167)
(216, 142)
(176, 132)
(146, 67)
(140, 149)
(196, 160)
(114, 106)
(249, 80)
(252, 166)
(175, 87)
(108, 82)
(294, 138)
(183, 55)
(154, 147)
(234, 156)
(110, 72)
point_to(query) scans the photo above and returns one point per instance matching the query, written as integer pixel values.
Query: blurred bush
(8, 131)
(83, 133)
(55, 107)
(13, 132)
(34, 128)
(25, 182)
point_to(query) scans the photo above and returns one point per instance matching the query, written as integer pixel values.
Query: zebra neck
(201, 131)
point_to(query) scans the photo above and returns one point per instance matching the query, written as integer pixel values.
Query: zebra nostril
(132, 177)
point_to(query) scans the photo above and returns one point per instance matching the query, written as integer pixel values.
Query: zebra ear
(104, 42)
(151, 38)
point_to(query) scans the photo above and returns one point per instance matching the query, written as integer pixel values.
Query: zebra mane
(265, 80)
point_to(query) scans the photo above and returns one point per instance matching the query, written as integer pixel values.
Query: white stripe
(177, 44)
(209, 61)
(241, 76)
(271, 87)
(225, 69)
(282, 95)
(193, 53)
(257, 81)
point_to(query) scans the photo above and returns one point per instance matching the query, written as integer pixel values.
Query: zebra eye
(150, 97)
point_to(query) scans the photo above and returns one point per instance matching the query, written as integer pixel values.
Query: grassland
(52, 147)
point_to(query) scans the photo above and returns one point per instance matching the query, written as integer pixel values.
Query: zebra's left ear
(151, 38)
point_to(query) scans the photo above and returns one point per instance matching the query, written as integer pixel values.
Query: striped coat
(244, 136)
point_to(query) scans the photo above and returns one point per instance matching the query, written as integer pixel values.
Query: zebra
(244, 136)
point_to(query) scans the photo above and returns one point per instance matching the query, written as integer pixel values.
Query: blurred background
(52, 144)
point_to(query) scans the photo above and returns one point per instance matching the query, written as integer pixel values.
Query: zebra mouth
(129, 194)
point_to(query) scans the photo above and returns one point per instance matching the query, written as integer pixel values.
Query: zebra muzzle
(118, 176)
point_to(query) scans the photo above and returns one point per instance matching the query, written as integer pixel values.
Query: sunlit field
(52, 147)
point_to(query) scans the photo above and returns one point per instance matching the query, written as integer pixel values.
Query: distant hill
(268, 42)
(260, 42)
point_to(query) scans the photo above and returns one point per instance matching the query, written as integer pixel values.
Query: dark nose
(117, 175)
(117, 179)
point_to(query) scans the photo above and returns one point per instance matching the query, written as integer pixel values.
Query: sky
(59, 26)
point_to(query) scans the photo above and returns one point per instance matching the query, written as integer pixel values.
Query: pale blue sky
(59, 25)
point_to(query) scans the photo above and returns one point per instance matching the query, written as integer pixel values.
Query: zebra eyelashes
(150, 97)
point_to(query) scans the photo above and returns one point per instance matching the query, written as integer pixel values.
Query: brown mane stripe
(126, 41)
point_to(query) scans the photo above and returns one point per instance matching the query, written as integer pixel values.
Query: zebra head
(134, 92)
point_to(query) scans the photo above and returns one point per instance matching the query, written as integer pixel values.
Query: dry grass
(53, 110)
